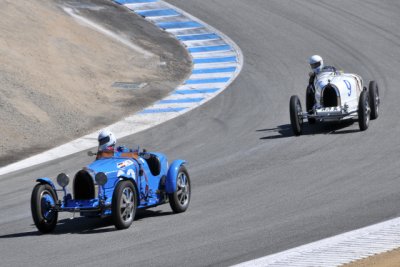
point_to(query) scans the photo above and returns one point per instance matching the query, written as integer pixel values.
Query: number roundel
(348, 85)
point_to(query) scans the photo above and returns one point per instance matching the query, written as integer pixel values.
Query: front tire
(123, 206)
(374, 99)
(180, 199)
(364, 111)
(43, 207)
(296, 116)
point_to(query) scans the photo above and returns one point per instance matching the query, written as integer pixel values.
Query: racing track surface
(257, 189)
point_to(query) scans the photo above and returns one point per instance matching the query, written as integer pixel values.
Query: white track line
(97, 27)
(337, 250)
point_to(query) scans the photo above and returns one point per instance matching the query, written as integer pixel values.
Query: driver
(106, 140)
(317, 66)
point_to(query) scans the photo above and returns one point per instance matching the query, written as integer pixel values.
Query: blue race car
(115, 184)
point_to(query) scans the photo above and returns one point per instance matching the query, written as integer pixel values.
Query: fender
(170, 184)
(45, 180)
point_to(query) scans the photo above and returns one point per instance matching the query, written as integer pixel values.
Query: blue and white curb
(337, 250)
(217, 61)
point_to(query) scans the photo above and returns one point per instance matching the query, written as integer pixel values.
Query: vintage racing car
(115, 184)
(337, 96)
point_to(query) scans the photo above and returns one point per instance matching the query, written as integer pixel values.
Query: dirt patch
(56, 74)
(388, 259)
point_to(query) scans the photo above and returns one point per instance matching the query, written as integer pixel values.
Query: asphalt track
(257, 189)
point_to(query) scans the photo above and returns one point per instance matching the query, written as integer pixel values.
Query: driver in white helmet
(317, 66)
(106, 140)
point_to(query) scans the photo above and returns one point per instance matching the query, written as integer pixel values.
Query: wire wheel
(124, 203)
(296, 115)
(43, 207)
(182, 185)
(179, 200)
(127, 204)
(364, 111)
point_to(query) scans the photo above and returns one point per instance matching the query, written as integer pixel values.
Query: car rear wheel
(296, 116)
(124, 203)
(43, 207)
(180, 199)
(374, 99)
(364, 111)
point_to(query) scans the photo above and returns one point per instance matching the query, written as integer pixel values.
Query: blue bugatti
(116, 184)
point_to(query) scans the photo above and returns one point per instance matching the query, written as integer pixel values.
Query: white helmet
(316, 63)
(106, 139)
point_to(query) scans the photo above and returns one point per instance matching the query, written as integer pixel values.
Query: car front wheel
(43, 207)
(364, 111)
(296, 116)
(124, 203)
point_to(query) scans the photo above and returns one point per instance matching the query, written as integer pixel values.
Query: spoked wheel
(364, 111)
(43, 207)
(296, 115)
(124, 203)
(374, 99)
(180, 199)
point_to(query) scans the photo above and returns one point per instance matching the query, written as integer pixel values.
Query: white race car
(336, 96)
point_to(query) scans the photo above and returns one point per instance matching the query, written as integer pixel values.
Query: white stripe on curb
(198, 89)
(106, 32)
(337, 250)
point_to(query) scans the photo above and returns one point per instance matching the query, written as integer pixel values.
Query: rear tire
(43, 207)
(296, 116)
(180, 199)
(364, 111)
(123, 206)
(374, 99)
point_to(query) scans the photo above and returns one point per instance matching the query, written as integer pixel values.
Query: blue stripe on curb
(196, 91)
(122, 2)
(209, 48)
(179, 24)
(210, 80)
(216, 70)
(161, 110)
(157, 13)
(215, 60)
(197, 37)
(175, 101)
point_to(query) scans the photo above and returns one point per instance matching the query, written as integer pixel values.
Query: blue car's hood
(112, 165)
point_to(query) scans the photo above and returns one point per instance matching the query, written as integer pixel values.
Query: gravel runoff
(57, 73)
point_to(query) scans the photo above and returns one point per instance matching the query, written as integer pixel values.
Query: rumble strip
(338, 250)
